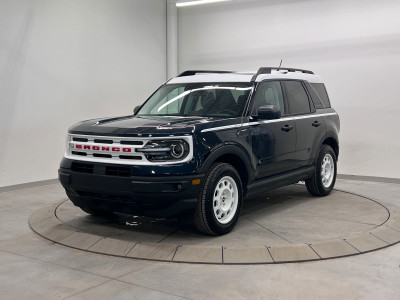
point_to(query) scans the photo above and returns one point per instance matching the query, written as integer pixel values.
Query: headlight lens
(165, 150)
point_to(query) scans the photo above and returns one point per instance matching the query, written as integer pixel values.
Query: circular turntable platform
(284, 225)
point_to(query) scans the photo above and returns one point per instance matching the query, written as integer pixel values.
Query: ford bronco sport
(203, 142)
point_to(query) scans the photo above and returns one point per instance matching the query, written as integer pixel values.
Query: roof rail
(194, 72)
(267, 70)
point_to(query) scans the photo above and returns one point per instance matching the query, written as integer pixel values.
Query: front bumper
(155, 196)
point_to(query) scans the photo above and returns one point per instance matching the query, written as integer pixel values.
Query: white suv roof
(261, 74)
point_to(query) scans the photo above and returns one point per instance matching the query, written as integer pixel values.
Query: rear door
(273, 141)
(310, 126)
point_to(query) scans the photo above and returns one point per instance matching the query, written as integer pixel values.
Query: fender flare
(329, 135)
(224, 149)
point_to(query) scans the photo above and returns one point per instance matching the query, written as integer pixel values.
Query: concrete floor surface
(33, 268)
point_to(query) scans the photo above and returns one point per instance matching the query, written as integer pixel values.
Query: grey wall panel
(66, 61)
(353, 45)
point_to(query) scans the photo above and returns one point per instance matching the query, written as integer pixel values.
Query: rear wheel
(220, 200)
(324, 177)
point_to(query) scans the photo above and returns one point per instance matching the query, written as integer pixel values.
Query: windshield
(198, 99)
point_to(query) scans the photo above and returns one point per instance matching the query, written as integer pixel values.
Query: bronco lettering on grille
(97, 148)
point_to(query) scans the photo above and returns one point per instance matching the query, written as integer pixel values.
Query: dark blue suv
(203, 142)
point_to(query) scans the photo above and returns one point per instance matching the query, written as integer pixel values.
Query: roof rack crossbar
(267, 70)
(194, 72)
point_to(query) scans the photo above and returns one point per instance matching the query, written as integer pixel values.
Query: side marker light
(195, 181)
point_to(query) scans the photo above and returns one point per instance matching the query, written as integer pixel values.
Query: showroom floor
(32, 267)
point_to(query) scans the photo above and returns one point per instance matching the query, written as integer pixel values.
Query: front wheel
(324, 177)
(220, 200)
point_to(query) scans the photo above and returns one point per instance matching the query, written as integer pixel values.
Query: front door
(273, 141)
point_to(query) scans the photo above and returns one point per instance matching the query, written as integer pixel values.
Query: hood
(140, 125)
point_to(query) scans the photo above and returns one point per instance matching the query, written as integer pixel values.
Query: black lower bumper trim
(158, 196)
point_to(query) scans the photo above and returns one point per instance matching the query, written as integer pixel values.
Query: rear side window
(314, 96)
(297, 97)
(320, 89)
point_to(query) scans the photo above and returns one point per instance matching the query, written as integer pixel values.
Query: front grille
(78, 153)
(131, 142)
(130, 157)
(108, 170)
(118, 171)
(103, 141)
(76, 139)
(115, 150)
(82, 168)
(102, 155)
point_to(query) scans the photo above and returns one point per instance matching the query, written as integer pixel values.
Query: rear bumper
(158, 196)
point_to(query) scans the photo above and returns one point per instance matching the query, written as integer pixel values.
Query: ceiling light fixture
(197, 2)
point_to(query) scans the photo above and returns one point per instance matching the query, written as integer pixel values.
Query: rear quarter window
(297, 97)
(320, 89)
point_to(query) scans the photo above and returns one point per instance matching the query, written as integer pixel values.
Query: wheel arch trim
(329, 138)
(224, 150)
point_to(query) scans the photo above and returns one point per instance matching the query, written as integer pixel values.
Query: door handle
(287, 128)
(316, 123)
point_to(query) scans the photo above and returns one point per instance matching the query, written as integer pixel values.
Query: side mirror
(136, 109)
(269, 112)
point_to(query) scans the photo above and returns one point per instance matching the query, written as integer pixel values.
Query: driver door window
(268, 93)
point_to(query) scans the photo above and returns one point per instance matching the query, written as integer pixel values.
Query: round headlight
(177, 150)
(165, 150)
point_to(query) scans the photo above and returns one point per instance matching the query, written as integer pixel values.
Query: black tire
(205, 219)
(315, 185)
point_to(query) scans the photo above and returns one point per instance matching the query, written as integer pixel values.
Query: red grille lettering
(116, 149)
(78, 146)
(126, 149)
(96, 148)
(105, 148)
(86, 147)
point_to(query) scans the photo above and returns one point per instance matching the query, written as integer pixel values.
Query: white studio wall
(353, 45)
(66, 61)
